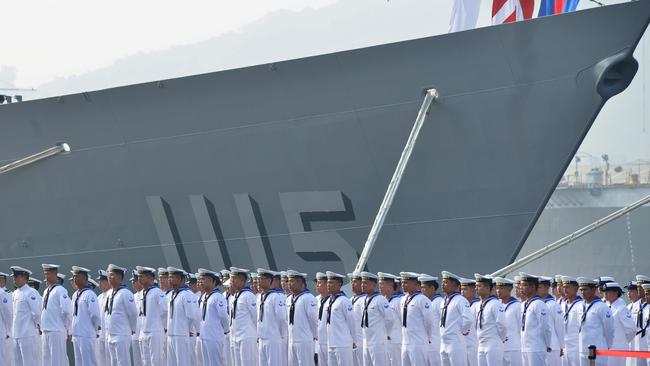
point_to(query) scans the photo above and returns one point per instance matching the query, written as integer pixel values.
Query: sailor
(490, 326)
(536, 332)
(556, 321)
(624, 326)
(341, 327)
(92, 283)
(570, 307)
(26, 319)
(416, 318)
(596, 323)
(303, 320)
(136, 287)
(198, 356)
(103, 357)
(6, 315)
(511, 318)
(429, 287)
(35, 284)
(284, 283)
(56, 315)
(152, 317)
(468, 290)
(255, 284)
(121, 317)
(182, 316)
(243, 319)
(227, 293)
(193, 283)
(602, 281)
(321, 299)
(640, 339)
(214, 319)
(60, 278)
(376, 321)
(357, 307)
(558, 289)
(271, 319)
(86, 319)
(632, 294)
(163, 280)
(390, 288)
(456, 322)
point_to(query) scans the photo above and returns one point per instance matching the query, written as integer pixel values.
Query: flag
(508, 11)
(552, 7)
(464, 15)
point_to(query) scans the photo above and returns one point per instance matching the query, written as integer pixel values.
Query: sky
(74, 46)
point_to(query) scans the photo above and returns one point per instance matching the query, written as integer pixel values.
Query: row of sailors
(278, 321)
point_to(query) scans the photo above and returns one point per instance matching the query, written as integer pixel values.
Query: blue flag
(546, 8)
(570, 5)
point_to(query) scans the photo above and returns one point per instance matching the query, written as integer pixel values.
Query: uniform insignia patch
(33, 297)
(5, 301)
(386, 306)
(426, 306)
(350, 308)
(92, 300)
(543, 313)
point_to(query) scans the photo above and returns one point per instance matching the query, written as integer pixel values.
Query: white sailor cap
(384, 276)
(202, 272)
(77, 269)
(483, 278)
(405, 276)
(34, 280)
(60, 276)
(174, 270)
(234, 271)
(558, 278)
(632, 285)
(2, 274)
(527, 277)
(331, 275)
(612, 286)
(49, 267)
(501, 281)
(191, 278)
(283, 274)
(569, 280)
(142, 270)
(291, 273)
(266, 272)
(545, 280)
(450, 276)
(162, 271)
(321, 276)
(467, 282)
(641, 279)
(605, 279)
(368, 276)
(225, 273)
(20, 270)
(646, 286)
(517, 279)
(426, 278)
(93, 282)
(254, 275)
(115, 268)
(354, 275)
(586, 281)
(101, 274)
(227, 283)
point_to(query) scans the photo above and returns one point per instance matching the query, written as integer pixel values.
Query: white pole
(59, 148)
(430, 96)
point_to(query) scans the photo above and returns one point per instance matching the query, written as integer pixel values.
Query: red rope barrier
(627, 354)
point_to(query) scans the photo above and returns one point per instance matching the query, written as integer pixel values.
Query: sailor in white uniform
(416, 317)
(341, 327)
(36, 285)
(638, 308)
(511, 317)
(429, 287)
(302, 319)
(357, 308)
(490, 325)
(624, 326)
(6, 316)
(243, 319)
(536, 332)
(632, 292)
(26, 320)
(193, 283)
(321, 301)
(152, 317)
(468, 290)
(227, 293)
(86, 319)
(376, 321)
(182, 317)
(570, 306)
(390, 288)
(556, 321)
(596, 322)
(121, 317)
(135, 337)
(271, 319)
(215, 322)
(56, 315)
(456, 322)
(103, 357)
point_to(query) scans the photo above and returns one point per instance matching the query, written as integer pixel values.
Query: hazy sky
(79, 45)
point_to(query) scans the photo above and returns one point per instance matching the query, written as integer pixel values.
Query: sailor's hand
(388, 338)
(548, 349)
(561, 352)
(70, 338)
(354, 345)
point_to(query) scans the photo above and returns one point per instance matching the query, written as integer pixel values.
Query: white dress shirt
(490, 325)
(341, 329)
(6, 313)
(376, 319)
(536, 332)
(86, 317)
(416, 317)
(395, 332)
(556, 321)
(153, 311)
(624, 327)
(571, 316)
(121, 312)
(243, 315)
(272, 315)
(511, 318)
(215, 322)
(321, 301)
(27, 312)
(183, 312)
(303, 326)
(596, 326)
(56, 315)
(101, 299)
(455, 318)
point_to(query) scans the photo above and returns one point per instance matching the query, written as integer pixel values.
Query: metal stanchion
(592, 355)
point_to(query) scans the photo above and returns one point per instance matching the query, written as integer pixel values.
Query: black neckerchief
(585, 311)
(143, 311)
(364, 317)
(329, 308)
(443, 317)
(234, 303)
(47, 295)
(512, 300)
(263, 300)
(395, 295)
(169, 290)
(205, 302)
(171, 301)
(405, 308)
(567, 308)
(523, 315)
(548, 298)
(292, 309)
(322, 306)
(76, 301)
(479, 317)
(639, 319)
(108, 308)
(356, 298)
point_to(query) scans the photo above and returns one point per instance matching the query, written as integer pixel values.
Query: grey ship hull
(285, 165)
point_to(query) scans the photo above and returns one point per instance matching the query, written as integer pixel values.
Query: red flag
(508, 11)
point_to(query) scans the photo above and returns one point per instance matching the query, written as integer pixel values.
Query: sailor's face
(386, 287)
(356, 285)
(321, 286)
(503, 292)
(368, 286)
(114, 279)
(50, 276)
(588, 292)
(333, 286)
(483, 289)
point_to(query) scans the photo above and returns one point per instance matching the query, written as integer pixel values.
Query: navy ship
(284, 165)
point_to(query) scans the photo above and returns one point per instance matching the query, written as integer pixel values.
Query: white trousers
(375, 355)
(357, 353)
(339, 356)
(178, 351)
(512, 358)
(270, 352)
(103, 359)
(244, 352)
(571, 358)
(54, 350)
(7, 345)
(472, 354)
(553, 358)
(118, 350)
(25, 351)
(85, 351)
(534, 358)
(394, 352)
(434, 354)
(152, 349)
(301, 354)
(212, 352)
(453, 354)
(135, 349)
(227, 350)
(322, 355)
(197, 351)
(415, 355)
(492, 356)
